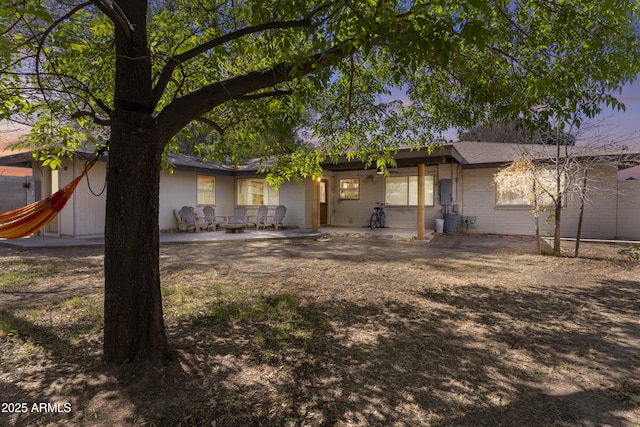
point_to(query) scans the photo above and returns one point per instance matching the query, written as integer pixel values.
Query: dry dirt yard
(461, 331)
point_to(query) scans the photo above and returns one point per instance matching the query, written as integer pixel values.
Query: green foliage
(19, 274)
(455, 63)
(631, 251)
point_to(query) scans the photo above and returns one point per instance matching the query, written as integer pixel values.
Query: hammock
(25, 221)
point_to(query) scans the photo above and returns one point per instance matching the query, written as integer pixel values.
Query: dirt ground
(460, 331)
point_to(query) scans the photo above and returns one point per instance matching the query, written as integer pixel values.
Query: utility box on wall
(446, 192)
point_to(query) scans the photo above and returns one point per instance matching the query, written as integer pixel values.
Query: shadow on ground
(437, 353)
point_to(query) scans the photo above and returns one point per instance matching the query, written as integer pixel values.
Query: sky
(610, 127)
(626, 125)
(620, 127)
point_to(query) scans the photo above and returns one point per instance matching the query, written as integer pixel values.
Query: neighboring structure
(16, 191)
(458, 182)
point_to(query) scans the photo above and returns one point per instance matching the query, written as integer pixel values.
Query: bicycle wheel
(382, 220)
(372, 221)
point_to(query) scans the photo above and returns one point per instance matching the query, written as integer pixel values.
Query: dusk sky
(622, 127)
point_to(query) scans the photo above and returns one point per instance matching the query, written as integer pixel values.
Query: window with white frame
(206, 190)
(349, 189)
(256, 192)
(520, 194)
(403, 190)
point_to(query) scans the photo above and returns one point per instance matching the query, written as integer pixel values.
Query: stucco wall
(89, 209)
(294, 197)
(16, 192)
(372, 190)
(180, 189)
(629, 210)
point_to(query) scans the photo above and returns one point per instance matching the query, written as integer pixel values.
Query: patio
(211, 236)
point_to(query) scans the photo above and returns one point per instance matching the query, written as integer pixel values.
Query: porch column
(421, 202)
(315, 220)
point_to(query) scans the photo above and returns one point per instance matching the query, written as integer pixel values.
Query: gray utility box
(451, 223)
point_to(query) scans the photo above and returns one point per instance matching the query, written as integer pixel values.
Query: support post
(421, 202)
(315, 221)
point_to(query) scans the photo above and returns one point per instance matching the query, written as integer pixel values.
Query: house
(458, 182)
(16, 184)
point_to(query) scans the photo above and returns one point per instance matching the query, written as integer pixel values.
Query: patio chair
(278, 218)
(210, 216)
(190, 220)
(240, 214)
(238, 222)
(186, 220)
(182, 223)
(261, 217)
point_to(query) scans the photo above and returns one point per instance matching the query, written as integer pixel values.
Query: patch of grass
(80, 309)
(19, 347)
(631, 252)
(282, 326)
(7, 329)
(284, 329)
(234, 308)
(17, 274)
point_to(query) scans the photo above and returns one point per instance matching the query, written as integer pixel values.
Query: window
(403, 190)
(519, 194)
(511, 198)
(256, 192)
(206, 190)
(350, 189)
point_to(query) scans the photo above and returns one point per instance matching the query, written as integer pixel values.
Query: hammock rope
(27, 220)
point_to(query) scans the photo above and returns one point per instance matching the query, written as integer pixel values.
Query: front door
(323, 202)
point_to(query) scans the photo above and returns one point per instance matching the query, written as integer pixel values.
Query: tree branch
(45, 34)
(211, 123)
(175, 61)
(97, 120)
(116, 15)
(261, 95)
(182, 110)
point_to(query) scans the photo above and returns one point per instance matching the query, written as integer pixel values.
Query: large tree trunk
(134, 326)
(133, 322)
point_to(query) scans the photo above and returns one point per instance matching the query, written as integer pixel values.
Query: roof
(405, 157)
(491, 154)
(470, 154)
(179, 161)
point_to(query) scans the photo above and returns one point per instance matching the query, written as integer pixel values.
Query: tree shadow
(451, 356)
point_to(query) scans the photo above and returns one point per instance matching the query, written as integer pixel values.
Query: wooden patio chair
(261, 217)
(278, 218)
(191, 221)
(210, 216)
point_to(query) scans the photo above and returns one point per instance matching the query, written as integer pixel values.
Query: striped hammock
(25, 221)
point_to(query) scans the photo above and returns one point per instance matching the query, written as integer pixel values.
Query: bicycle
(378, 217)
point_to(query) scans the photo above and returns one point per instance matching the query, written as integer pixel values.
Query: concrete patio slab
(220, 235)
